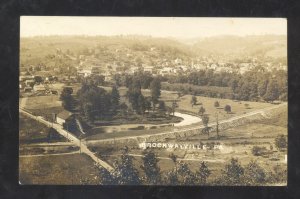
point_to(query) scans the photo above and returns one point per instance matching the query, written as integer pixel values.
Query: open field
(62, 169)
(184, 104)
(42, 102)
(31, 131)
(237, 143)
(237, 107)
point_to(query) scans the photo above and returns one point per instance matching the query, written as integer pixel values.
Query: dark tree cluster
(96, 103)
(233, 173)
(140, 103)
(204, 78)
(251, 86)
(144, 79)
(260, 85)
(135, 96)
(67, 98)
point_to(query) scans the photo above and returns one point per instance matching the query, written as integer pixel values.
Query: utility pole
(217, 123)
(80, 143)
(67, 130)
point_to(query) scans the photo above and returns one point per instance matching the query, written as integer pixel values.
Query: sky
(178, 27)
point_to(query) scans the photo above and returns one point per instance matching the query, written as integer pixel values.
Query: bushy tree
(233, 173)
(123, 109)
(227, 109)
(278, 175)
(151, 168)
(147, 104)
(38, 79)
(257, 151)
(254, 174)
(185, 175)
(67, 98)
(281, 142)
(203, 173)
(173, 157)
(155, 87)
(272, 92)
(162, 106)
(201, 111)
(106, 178)
(125, 172)
(134, 93)
(194, 100)
(94, 98)
(115, 99)
(141, 104)
(205, 120)
(171, 178)
(217, 104)
(262, 87)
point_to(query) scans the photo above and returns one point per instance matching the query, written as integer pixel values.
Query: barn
(63, 116)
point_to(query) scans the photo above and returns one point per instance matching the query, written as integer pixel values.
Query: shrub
(254, 174)
(217, 104)
(281, 142)
(258, 151)
(227, 108)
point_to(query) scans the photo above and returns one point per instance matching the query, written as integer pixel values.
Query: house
(85, 73)
(148, 69)
(29, 82)
(27, 89)
(39, 87)
(25, 77)
(166, 71)
(63, 116)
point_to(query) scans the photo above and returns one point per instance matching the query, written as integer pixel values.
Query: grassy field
(42, 102)
(237, 142)
(237, 107)
(184, 105)
(31, 131)
(63, 169)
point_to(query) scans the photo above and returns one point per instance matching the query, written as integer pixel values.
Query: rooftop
(64, 114)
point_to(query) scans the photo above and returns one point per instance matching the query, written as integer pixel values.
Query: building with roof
(39, 87)
(63, 116)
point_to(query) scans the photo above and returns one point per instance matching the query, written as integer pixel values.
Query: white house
(39, 87)
(148, 69)
(166, 71)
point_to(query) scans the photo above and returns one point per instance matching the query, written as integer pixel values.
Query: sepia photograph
(172, 101)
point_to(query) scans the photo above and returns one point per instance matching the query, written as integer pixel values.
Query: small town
(147, 110)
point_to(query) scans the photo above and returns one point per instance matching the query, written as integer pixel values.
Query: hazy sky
(154, 26)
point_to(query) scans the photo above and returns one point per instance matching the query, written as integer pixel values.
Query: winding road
(187, 119)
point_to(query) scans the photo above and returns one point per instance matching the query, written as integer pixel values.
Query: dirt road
(187, 119)
(70, 137)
